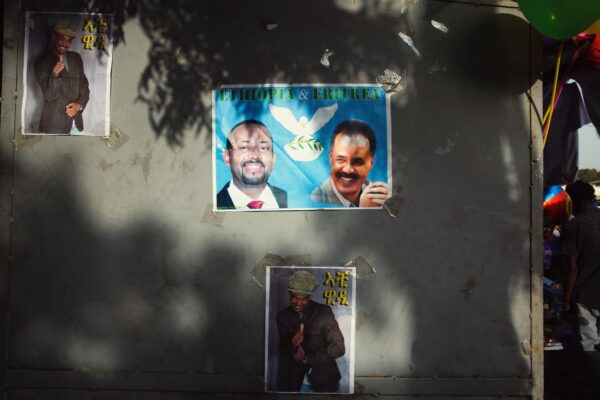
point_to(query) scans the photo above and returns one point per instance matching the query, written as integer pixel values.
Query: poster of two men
(301, 147)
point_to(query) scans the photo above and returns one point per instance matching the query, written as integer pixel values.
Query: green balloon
(560, 19)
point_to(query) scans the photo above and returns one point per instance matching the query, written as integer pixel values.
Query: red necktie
(254, 204)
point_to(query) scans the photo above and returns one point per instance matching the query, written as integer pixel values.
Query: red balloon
(557, 209)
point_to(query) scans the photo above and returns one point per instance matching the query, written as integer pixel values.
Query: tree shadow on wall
(98, 301)
(197, 46)
(440, 264)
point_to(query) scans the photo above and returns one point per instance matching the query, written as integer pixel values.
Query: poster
(309, 329)
(66, 74)
(301, 147)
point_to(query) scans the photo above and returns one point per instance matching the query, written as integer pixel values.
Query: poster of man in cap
(66, 74)
(310, 321)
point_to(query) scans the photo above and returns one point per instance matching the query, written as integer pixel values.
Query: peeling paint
(258, 273)
(526, 347)
(408, 40)
(439, 26)
(363, 267)
(440, 151)
(325, 58)
(212, 217)
(394, 203)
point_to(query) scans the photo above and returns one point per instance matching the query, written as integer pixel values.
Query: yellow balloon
(594, 29)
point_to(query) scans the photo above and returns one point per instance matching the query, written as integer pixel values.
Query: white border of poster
(301, 119)
(92, 47)
(330, 290)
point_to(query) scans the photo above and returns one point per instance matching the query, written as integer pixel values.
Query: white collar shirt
(240, 199)
(345, 202)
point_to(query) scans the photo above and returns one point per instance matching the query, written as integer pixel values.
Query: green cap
(302, 283)
(65, 28)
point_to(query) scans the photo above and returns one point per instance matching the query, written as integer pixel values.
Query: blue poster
(300, 147)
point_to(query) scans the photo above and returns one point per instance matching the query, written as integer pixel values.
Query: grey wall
(117, 283)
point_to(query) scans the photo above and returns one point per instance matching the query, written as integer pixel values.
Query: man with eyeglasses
(251, 158)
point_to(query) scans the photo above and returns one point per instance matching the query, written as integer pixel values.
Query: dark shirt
(323, 344)
(70, 86)
(224, 201)
(581, 237)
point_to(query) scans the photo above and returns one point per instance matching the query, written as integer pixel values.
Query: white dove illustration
(303, 147)
(303, 126)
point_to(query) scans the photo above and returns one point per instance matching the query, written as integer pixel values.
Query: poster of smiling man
(310, 322)
(66, 74)
(301, 147)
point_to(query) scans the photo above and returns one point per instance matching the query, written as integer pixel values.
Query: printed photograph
(310, 323)
(301, 147)
(66, 74)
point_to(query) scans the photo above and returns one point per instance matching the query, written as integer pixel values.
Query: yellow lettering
(330, 295)
(342, 298)
(342, 278)
(88, 41)
(88, 26)
(329, 281)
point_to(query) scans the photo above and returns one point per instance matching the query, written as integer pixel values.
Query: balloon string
(566, 77)
(552, 101)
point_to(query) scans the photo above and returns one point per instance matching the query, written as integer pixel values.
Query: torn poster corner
(363, 267)
(116, 138)
(390, 81)
(212, 217)
(269, 260)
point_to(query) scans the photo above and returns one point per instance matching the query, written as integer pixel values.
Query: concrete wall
(118, 282)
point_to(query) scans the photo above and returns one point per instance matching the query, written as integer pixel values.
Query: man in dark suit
(63, 82)
(251, 158)
(310, 340)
